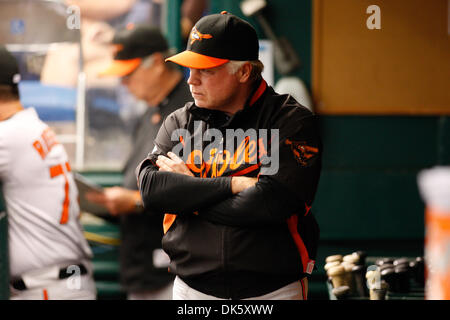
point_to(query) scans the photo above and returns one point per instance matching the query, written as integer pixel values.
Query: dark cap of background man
(132, 44)
(216, 39)
(9, 70)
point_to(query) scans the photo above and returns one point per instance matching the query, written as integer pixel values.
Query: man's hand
(239, 184)
(117, 200)
(173, 164)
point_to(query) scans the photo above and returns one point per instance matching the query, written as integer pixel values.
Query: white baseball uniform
(41, 198)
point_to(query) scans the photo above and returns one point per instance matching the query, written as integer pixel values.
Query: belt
(19, 284)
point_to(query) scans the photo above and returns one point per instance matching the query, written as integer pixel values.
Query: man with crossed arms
(236, 226)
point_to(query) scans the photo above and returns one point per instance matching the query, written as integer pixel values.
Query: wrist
(239, 184)
(234, 185)
(138, 204)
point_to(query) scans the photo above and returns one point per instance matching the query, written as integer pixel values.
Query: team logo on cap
(196, 35)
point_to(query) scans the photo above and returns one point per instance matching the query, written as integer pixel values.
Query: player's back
(40, 194)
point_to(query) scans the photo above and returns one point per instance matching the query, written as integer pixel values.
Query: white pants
(45, 284)
(164, 293)
(294, 291)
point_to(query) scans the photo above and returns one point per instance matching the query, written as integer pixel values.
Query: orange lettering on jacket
(192, 161)
(218, 162)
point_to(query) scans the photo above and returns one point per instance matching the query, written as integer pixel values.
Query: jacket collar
(256, 93)
(206, 114)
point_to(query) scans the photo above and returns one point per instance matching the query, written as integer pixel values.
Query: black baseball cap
(216, 39)
(131, 45)
(9, 69)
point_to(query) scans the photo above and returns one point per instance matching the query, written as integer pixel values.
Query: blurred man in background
(49, 256)
(139, 61)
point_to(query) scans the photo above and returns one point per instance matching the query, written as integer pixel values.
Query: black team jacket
(256, 241)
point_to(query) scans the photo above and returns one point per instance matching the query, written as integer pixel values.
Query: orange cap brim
(121, 68)
(195, 60)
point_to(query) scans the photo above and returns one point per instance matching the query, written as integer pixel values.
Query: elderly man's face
(213, 88)
(143, 82)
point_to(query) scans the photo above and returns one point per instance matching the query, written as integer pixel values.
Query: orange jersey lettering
(46, 143)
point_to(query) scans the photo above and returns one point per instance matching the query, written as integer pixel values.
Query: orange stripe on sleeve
(169, 219)
(246, 170)
(304, 283)
(65, 212)
(292, 225)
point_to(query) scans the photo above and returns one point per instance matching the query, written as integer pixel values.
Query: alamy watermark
(209, 149)
(73, 282)
(374, 277)
(374, 20)
(73, 20)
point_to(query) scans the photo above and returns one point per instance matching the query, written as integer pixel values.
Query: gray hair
(257, 68)
(148, 60)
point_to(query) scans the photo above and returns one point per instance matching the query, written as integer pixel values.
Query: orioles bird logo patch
(196, 35)
(302, 152)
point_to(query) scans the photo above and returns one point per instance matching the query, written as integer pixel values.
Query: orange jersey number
(56, 171)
